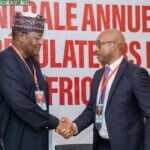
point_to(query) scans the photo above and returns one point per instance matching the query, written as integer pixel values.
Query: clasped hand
(66, 128)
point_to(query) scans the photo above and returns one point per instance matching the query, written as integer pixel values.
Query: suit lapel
(25, 71)
(116, 80)
(97, 83)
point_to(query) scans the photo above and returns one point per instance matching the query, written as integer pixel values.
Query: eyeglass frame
(36, 38)
(98, 43)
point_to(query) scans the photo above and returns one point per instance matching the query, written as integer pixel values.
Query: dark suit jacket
(128, 98)
(23, 122)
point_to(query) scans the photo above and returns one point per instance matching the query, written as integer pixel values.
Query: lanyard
(103, 85)
(34, 71)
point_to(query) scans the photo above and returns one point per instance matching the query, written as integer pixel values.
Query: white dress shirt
(103, 130)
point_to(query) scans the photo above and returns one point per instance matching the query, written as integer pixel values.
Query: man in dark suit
(24, 117)
(124, 97)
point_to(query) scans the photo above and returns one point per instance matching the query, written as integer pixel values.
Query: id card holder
(40, 99)
(99, 113)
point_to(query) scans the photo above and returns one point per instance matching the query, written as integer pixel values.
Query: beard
(104, 59)
(36, 52)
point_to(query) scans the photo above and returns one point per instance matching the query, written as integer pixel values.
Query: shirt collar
(116, 63)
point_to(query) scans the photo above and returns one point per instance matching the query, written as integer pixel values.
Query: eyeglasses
(38, 38)
(99, 44)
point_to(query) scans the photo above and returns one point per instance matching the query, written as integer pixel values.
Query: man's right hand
(66, 128)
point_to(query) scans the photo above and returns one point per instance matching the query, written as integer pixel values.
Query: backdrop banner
(67, 56)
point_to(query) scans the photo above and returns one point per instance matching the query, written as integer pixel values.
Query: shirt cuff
(76, 129)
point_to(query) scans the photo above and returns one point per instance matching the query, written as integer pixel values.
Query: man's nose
(96, 51)
(40, 41)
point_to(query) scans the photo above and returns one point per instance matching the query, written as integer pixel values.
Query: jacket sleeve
(141, 89)
(18, 99)
(86, 118)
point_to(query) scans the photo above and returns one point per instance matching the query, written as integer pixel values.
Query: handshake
(66, 128)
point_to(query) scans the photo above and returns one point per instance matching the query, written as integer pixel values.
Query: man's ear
(120, 45)
(21, 37)
(115, 46)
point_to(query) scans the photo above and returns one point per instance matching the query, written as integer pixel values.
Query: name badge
(99, 113)
(40, 99)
